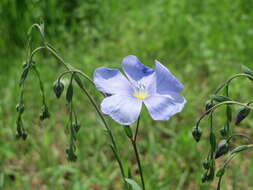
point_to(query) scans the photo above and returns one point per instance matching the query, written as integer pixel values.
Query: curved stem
(230, 79)
(108, 129)
(220, 104)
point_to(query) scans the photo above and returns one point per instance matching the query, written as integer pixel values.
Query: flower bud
(220, 172)
(222, 148)
(77, 127)
(71, 155)
(224, 131)
(204, 177)
(69, 94)
(218, 98)
(241, 115)
(45, 114)
(206, 164)
(58, 88)
(247, 71)
(20, 108)
(196, 133)
(209, 105)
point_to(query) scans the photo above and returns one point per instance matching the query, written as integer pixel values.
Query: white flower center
(141, 92)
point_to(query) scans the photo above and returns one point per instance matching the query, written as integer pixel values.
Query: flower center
(141, 92)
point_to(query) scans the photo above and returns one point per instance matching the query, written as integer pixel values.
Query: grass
(201, 42)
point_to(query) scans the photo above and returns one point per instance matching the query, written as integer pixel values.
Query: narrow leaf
(133, 184)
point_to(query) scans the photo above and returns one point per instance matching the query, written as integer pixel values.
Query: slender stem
(220, 104)
(134, 144)
(108, 129)
(230, 79)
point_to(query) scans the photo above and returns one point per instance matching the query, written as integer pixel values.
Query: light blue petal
(112, 81)
(134, 69)
(123, 109)
(162, 107)
(166, 81)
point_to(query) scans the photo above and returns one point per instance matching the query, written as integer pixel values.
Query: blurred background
(201, 42)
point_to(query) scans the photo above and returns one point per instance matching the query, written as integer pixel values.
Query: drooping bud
(20, 108)
(247, 71)
(204, 177)
(45, 113)
(77, 127)
(222, 148)
(196, 133)
(69, 94)
(71, 155)
(241, 115)
(224, 131)
(219, 98)
(209, 105)
(220, 172)
(206, 164)
(58, 88)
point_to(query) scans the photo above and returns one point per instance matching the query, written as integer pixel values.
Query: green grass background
(201, 42)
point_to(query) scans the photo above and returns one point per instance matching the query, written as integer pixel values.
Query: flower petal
(134, 69)
(166, 81)
(162, 107)
(123, 109)
(111, 81)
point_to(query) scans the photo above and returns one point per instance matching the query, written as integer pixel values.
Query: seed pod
(222, 148)
(196, 133)
(241, 115)
(58, 88)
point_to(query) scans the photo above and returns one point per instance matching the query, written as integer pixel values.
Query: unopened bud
(209, 105)
(241, 115)
(196, 133)
(58, 88)
(222, 148)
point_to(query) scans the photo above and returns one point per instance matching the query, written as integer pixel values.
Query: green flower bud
(69, 94)
(20, 108)
(45, 114)
(204, 177)
(71, 155)
(241, 115)
(206, 164)
(58, 88)
(196, 133)
(220, 172)
(222, 148)
(209, 105)
(224, 131)
(219, 98)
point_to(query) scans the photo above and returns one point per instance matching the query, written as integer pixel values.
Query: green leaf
(133, 184)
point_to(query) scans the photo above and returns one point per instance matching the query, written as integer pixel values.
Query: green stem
(230, 79)
(109, 131)
(134, 144)
(220, 104)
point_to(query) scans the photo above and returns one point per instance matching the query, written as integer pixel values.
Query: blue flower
(157, 88)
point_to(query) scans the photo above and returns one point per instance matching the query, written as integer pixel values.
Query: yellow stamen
(141, 95)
